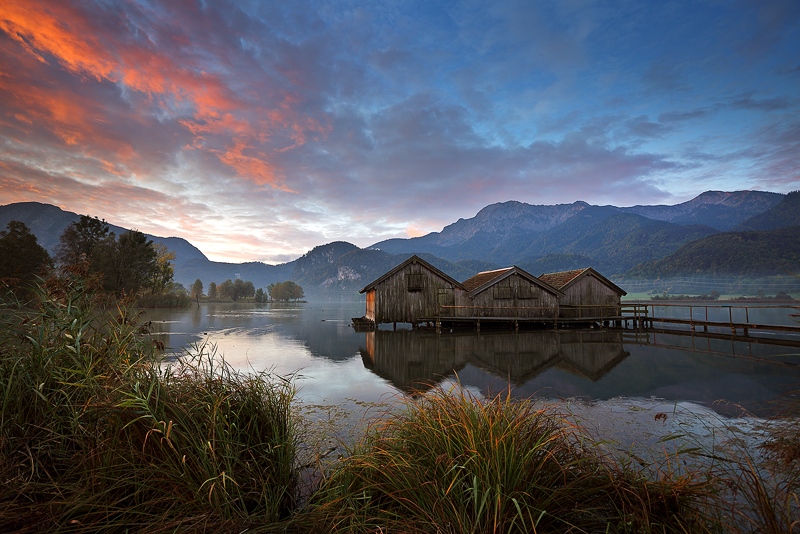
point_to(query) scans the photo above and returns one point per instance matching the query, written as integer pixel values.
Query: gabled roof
(412, 259)
(481, 278)
(564, 279)
(482, 281)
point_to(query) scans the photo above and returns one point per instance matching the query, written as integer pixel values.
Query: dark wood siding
(515, 296)
(589, 297)
(412, 293)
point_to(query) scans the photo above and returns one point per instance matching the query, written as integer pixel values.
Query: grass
(449, 462)
(100, 433)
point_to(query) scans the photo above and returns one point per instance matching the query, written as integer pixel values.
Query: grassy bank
(99, 433)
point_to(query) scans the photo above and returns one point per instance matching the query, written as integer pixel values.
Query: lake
(335, 365)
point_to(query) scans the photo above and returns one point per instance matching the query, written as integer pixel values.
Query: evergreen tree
(197, 288)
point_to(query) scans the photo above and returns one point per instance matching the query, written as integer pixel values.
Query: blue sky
(259, 130)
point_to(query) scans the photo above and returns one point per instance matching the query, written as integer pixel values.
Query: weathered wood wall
(514, 296)
(589, 291)
(412, 293)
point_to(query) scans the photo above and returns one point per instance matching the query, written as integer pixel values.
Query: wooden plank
(751, 326)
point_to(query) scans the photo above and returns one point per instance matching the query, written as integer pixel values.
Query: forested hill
(785, 213)
(766, 253)
(47, 223)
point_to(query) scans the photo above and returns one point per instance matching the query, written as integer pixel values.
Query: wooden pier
(632, 316)
(694, 324)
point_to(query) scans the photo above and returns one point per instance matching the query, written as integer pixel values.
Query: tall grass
(99, 434)
(451, 463)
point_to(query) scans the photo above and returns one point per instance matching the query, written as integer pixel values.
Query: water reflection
(337, 363)
(417, 360)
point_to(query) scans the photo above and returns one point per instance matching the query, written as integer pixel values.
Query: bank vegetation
(100, 432)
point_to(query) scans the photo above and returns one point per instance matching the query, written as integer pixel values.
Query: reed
(99, 433)
(449, 462)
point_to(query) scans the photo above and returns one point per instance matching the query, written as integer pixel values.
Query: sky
(258, 130)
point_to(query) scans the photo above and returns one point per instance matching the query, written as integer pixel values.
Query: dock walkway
(637, 316)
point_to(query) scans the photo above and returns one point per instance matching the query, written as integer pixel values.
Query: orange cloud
(91, 45)
(258, 169)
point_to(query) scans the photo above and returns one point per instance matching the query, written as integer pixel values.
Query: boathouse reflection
(416, 360)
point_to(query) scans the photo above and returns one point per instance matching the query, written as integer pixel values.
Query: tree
(225, 289)
(177, 288)
(197, 288)
(249, 289)
(22, 258)
(212, 290)
(238, 289)
(294, 291)
(126, 265)
(164, 271)
(284, 291)
(260, 297)
(78, 240)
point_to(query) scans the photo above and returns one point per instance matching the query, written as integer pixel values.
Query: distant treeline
(236, 289)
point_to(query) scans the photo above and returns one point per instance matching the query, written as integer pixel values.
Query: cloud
(259, 130)
(774, 21)
(746, 101)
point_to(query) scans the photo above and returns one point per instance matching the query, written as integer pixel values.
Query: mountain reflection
(416, 360)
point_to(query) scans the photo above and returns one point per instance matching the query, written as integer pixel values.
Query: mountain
(602, 235)
(47, 222)
(342, 266)
(718, 209)
(758, 253)
(617, 238)
(537, 238)
(553, 263)
(785, 213)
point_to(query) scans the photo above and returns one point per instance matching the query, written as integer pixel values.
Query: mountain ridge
(47, 222)
(534, 237)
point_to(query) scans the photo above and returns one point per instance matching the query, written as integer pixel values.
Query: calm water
(335, 364)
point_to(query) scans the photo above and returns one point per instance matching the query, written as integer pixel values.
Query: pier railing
(642, 316)
(705, 322)
(496, 312)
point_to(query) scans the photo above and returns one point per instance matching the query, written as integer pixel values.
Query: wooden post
(730, 316)
(746, 318)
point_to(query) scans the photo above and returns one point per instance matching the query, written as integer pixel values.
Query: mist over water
(334, 364)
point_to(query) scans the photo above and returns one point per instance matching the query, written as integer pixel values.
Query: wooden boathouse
(416, 292)
(509, 293)
(587, 294)
(413, 290)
